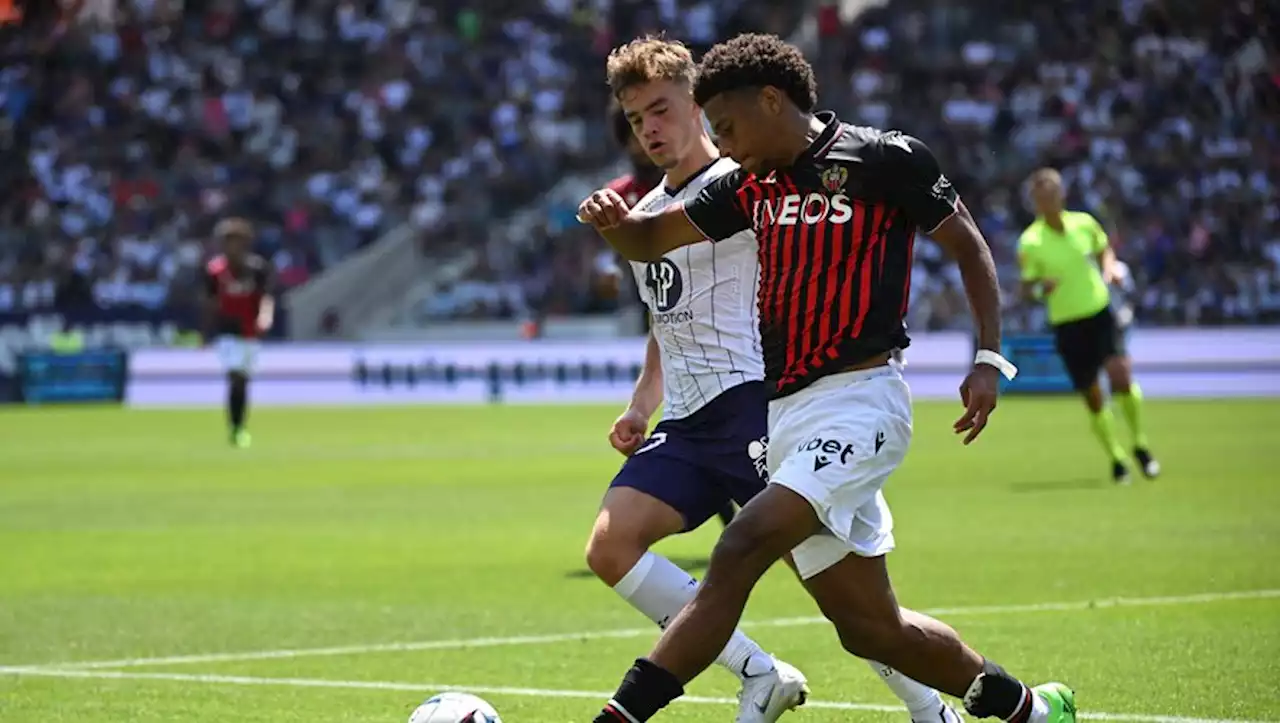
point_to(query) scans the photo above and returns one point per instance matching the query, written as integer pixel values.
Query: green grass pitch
(427, 548)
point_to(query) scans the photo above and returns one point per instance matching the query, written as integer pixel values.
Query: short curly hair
(753, 60)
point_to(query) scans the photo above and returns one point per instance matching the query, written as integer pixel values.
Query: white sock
(1039, 709)
(924, 702)
(660, 590)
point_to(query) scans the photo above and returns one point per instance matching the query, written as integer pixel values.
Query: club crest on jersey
(834, 178)
(665, 284)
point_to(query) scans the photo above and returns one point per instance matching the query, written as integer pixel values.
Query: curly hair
(753, 60)
(652, 57)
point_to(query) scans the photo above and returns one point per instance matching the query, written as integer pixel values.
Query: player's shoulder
(865, 144)
(216, 265)
(1080, 219)
(1030, 236)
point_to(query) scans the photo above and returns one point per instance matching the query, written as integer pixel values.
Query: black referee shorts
(1086, 344)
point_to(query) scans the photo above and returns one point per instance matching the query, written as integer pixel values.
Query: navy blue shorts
(714, 455)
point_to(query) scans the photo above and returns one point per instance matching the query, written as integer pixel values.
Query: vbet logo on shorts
(826, 451)
(829, 451)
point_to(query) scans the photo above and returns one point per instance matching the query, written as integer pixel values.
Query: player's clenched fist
(628, 432)
(603, 209)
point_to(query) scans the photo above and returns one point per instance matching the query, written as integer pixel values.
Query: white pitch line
(488, 642)
(526, 692)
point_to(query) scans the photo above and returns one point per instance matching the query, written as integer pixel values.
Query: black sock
(996, 694)
(237, 402)
(645, 690)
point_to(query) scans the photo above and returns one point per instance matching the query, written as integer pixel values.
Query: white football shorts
(835, 443)
(237, 354)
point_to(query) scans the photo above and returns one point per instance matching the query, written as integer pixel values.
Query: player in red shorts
(239, 308)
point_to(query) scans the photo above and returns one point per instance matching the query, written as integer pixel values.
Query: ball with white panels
(455, 708)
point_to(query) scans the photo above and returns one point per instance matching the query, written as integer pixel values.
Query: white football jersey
(702, 306)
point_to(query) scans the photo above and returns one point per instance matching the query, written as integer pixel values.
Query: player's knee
(1119, 374)
(871, 638)
(611, 553)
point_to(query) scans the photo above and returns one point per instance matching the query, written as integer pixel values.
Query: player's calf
(238, 406)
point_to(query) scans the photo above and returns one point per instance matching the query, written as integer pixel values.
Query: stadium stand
(130, 126)
(1163, 116)
(126, 130)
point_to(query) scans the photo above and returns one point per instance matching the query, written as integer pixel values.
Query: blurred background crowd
(127, 127)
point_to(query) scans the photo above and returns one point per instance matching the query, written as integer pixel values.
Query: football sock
(660, 590)
(923, 702)
(237, 403)
(1131, 407)
(996, 694)
(646, 689)
(1104, 428)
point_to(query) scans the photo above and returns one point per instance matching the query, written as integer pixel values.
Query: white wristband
(990, 358)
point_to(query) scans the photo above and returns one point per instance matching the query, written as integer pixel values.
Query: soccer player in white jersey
(704, 364)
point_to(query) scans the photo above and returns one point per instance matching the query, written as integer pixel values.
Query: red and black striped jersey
(237, 293)
(836, 230)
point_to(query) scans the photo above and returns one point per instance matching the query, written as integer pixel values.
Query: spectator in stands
(1162, 117)
(127, 126)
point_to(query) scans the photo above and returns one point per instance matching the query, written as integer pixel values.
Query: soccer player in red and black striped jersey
(239, 308)
(836, 209)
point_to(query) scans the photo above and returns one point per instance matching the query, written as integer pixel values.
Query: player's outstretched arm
(637, 235)
(716, 213)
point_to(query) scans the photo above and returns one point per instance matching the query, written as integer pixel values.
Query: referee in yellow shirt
(1067, 262)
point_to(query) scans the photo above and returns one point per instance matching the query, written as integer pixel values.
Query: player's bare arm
(637, 235)
(960, 238)
(267, 307)
(629, 429)
(1107, 262)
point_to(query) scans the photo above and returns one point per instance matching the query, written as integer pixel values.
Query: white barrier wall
(1168, 362)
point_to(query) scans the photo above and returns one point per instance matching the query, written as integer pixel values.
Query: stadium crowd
(126, 130)
(1164, 117)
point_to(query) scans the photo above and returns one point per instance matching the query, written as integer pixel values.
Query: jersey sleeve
(1098, 241)
(917, 184)
(718, 211)
(1028, 265)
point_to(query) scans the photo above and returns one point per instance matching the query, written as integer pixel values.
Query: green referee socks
(1104, 428)
(1131, 406)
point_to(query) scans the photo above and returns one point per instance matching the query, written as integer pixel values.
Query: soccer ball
(455, 708)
